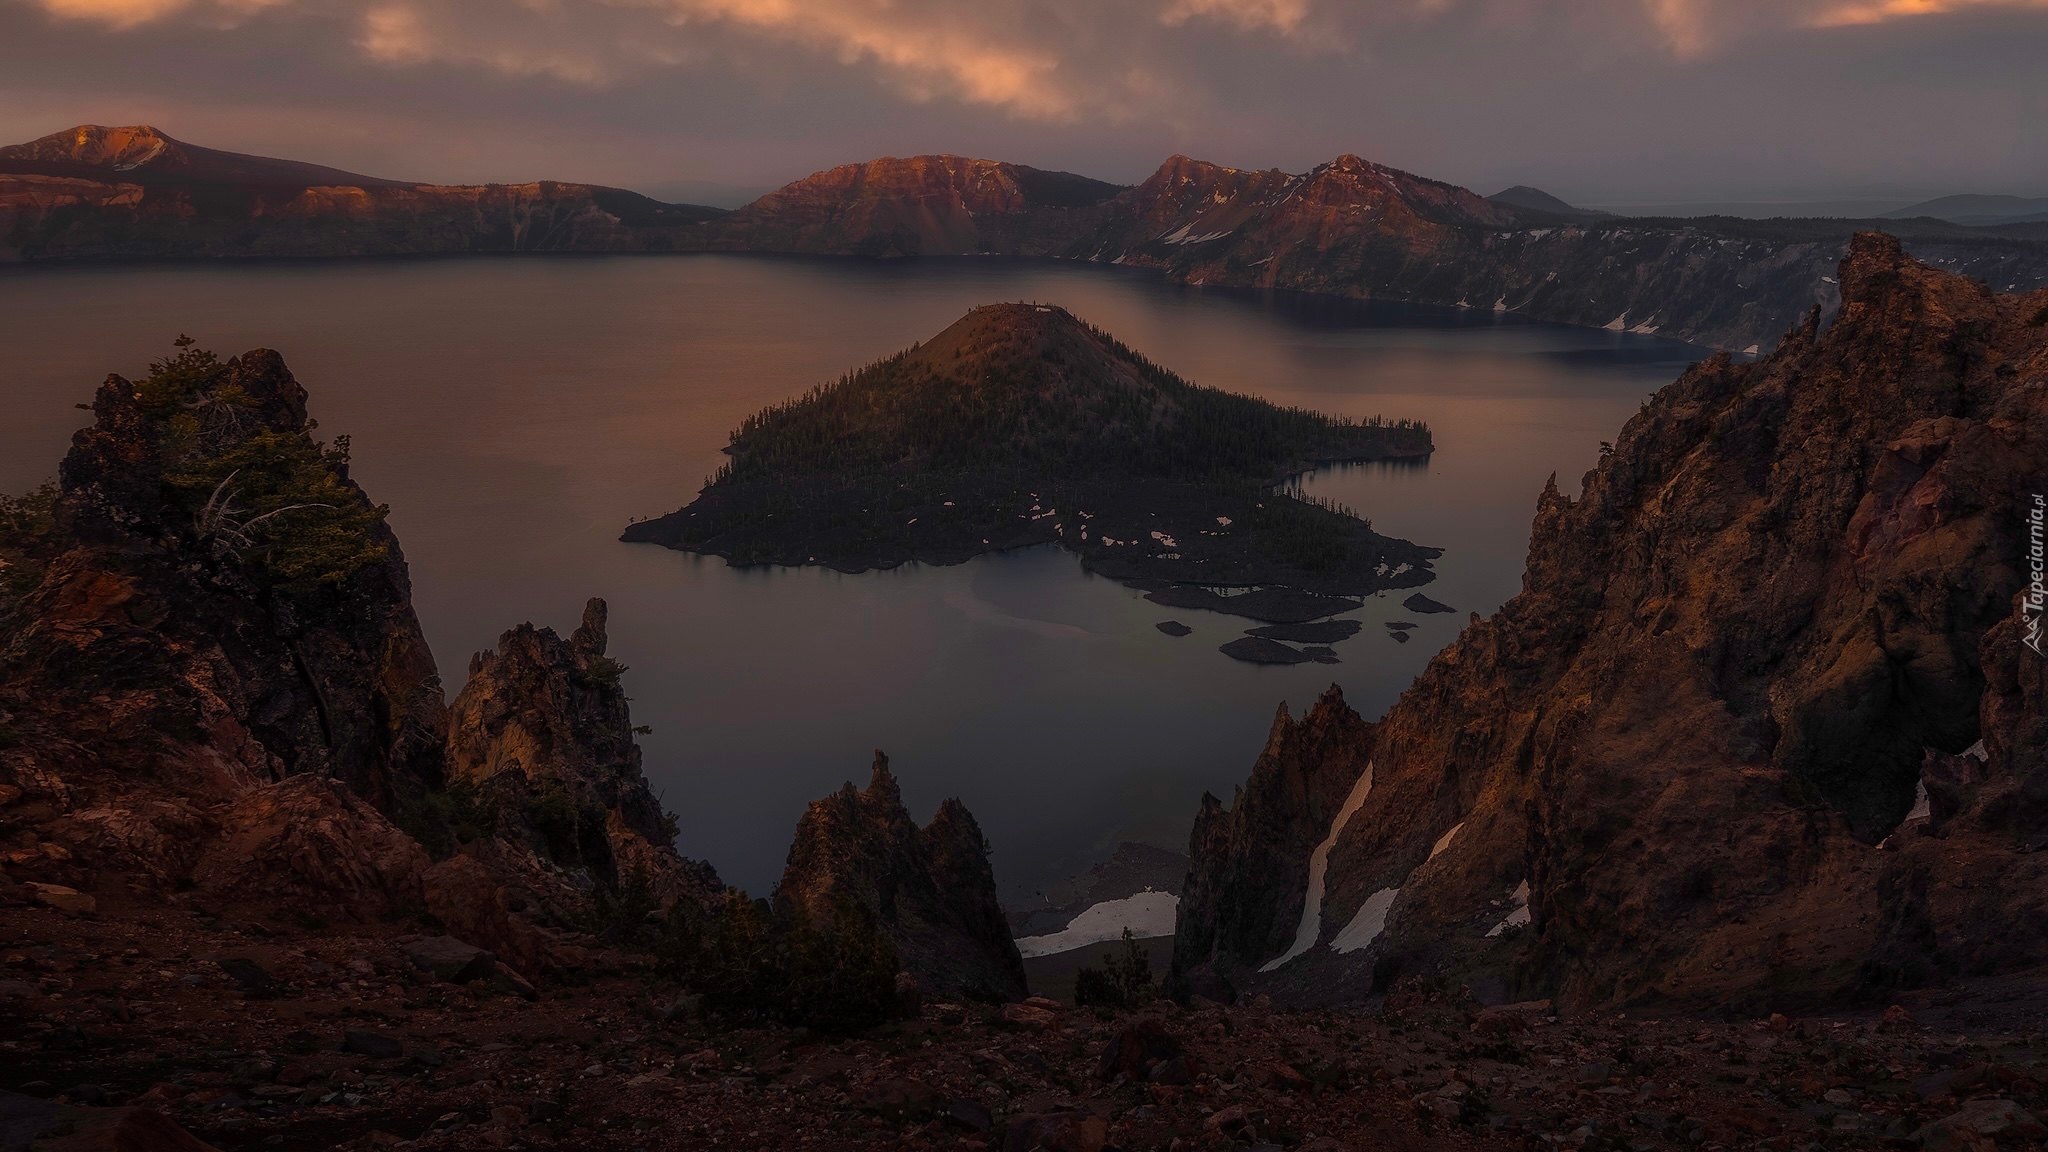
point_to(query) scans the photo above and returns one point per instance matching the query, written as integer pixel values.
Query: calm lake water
(516, 413)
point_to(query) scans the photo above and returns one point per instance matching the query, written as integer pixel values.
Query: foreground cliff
(1683, 763)
(214, 694)
(213, 682)
(209, 626)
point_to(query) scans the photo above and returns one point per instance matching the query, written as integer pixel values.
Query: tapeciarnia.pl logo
(2036, 600)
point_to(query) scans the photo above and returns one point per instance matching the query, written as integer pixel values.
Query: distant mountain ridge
(1347, 228)
(1978, 211)
(146, 155)
(1537, 200)
(103, 194)
(907, 207)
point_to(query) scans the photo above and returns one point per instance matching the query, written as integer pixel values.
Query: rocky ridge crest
(930, 888)
(1781, 606)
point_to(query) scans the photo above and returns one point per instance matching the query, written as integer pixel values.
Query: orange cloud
(924, 50)
(1283, 16)
(1880, 11)
(402, 34)
(1058, 61)
(130, 13)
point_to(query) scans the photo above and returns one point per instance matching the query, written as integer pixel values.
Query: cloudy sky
(1602, 101)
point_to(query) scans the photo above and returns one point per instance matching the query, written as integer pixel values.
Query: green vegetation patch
(275, 500)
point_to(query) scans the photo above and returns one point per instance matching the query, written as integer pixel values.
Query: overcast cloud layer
(1597, 100)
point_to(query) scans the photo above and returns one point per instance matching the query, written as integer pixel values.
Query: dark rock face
(931, 888)
(213, 681)
(1249, 863)
(543, 732)
(178, 644)
(1717, 690)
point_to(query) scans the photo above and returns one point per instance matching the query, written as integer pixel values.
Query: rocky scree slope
(1781, 607)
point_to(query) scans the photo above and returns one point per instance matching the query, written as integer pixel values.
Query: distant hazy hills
(1979, 211)
(1537, 200)
(1350, 227)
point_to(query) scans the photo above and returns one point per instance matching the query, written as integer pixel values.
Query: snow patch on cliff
(1366, 926)
(1311, 925)
(1149, 914)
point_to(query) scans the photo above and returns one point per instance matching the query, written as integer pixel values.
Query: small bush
(834, 973)
(607, 673)
(1123, 981)
(621, 910)
(26, 522)
(551, 813)
(840, 970)
(277, 501)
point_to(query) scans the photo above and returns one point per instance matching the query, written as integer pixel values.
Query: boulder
(1029, 1016)
(1137, 1049)
(310, 843)
(469, 902)
(1999, 1119)
(67, 900)
(1056, 1132)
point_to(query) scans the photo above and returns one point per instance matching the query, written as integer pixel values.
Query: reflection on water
(516, 414)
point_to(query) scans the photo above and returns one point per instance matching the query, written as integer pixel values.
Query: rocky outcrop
(310, 842)
(1692, 743)
(215, 605)
(212, 680)
(543, 734)
(1249, 875)
(931, 888)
